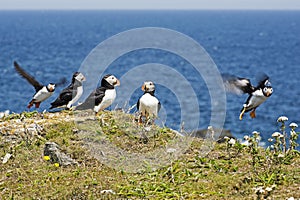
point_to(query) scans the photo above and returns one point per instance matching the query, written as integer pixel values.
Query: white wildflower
(226, 138)
(282, 119)
(258, 138)
(276, 134)
(245, 143)
(4, 114)
(246, 137)
(291, 198)
(293, 125)
(270, 140)
(255, 133)
(231, 141)
(280, 155)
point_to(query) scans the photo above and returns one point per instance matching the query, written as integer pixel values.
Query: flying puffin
(148, 105)
(70, 94)
(257, 95)
(42, 92)
(103, 96)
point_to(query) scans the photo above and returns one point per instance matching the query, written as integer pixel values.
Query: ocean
(51, 45)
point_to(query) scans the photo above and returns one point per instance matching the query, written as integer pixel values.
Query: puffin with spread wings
(42, 92)
(257, 95)
(103, 96)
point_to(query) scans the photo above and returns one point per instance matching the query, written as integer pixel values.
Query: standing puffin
(42, 92)
(257, 95)
(148, 105)
(70, 94)
(103, 96)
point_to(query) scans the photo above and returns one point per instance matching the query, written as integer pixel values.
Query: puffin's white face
(268, 91)
(80, 77)
(51, 87)
(113, 80)
(148, 86)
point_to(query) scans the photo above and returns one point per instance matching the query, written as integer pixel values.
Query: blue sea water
(53, 44)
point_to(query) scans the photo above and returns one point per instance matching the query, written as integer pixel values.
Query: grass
(225, 173)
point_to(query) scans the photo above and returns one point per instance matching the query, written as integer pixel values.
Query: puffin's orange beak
(51, 89)
(268, 92)
(144, 87)
(117, 82)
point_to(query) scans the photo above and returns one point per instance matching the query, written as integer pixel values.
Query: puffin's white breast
(148, 104)
(107, 100)
(257, 98)
(77, 96)
(42, 95)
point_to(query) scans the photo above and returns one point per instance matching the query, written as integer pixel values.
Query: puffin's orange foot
(30, 104)
(37, 104)
(252, 114)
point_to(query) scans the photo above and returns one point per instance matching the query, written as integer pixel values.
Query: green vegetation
(232, 170)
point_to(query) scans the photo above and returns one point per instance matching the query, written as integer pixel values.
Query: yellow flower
(46, 158)
(56, 164)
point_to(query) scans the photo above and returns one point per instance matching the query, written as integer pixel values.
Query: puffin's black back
(97, 95)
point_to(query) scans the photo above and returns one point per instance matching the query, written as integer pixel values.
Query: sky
(148, 4)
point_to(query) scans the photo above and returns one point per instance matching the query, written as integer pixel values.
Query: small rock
(56, 155)
(107, 192)
(218, 135)
(148, 128)
(171, 150)
(6, 158)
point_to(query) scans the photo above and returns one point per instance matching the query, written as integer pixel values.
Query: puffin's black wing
(93, 99)
(159, 106)
(237, 85)
(28, 77)
(138, 104)
(64, 97)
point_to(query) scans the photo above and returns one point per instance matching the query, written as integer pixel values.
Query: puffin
(257, 94)
(42, 92)
(148, 105)
(70, 94)
(103, 96)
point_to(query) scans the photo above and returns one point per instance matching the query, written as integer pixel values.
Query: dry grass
(87, 139)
